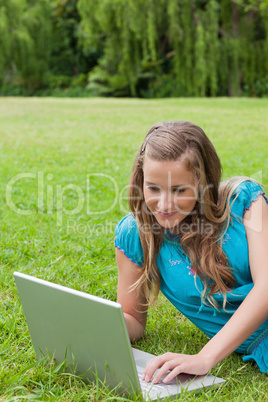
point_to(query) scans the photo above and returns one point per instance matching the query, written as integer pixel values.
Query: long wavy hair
(184, 141)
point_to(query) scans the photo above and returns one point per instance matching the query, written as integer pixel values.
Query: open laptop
(91, 335)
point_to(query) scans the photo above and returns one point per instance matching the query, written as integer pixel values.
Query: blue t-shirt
(180, 285)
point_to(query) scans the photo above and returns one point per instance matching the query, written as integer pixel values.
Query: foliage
(39, 45)
(123, 47)
(259, 88)
(25, 32)
(67, 56)
(213, 47)
(165, 86)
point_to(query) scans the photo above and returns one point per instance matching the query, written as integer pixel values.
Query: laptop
(90, 334)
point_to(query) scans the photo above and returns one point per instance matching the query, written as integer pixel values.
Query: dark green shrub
(165, 86)
(258, 89)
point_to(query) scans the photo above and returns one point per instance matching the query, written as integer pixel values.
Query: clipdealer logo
(50, 197)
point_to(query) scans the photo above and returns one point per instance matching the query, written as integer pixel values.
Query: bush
(79, 81)
(76, 92)
(100, 83)
(259, 89)
(14, 89)
(165, 86)
(59, 81)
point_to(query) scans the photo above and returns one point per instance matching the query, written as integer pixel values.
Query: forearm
(135, 328)
(252, 313)
(130, 297)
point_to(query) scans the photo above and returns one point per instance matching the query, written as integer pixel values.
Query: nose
(165, 202)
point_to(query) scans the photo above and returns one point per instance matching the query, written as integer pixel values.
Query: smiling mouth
(165, 214)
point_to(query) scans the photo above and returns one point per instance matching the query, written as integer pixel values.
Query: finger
(170, 365)
(150, 369)
(147, 368)
(176, 371)
(154, 365)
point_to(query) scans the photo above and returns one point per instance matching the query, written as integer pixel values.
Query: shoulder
(245, 193)
(127, 239)
(127, 227)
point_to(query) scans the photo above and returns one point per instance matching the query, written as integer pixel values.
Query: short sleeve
(246, 193)
(127, 239)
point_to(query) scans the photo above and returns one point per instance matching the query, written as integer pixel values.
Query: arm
(250, 315)
(130, 299)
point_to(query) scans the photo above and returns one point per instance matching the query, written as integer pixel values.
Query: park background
(140, 48)
(102, 57)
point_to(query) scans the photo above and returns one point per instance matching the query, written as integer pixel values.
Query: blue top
(183, 289)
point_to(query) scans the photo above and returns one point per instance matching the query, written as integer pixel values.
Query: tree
(67, 56)
(203, 44)
(25, 33)
(201, 47)
(130, 33)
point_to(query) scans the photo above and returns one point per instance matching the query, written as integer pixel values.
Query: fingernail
(165, 380)
(147, 378)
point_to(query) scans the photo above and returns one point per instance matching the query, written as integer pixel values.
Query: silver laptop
(90, 334)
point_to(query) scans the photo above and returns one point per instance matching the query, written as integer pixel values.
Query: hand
(176, 363)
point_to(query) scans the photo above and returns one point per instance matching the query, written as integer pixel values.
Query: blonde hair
(170, 141)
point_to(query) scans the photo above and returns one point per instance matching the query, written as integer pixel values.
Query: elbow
(135, 328)
(139, 332)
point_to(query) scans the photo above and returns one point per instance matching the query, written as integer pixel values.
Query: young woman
(203, 243)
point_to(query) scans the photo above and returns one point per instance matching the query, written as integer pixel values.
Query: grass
(65, 167)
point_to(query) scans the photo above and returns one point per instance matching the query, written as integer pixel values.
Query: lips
(166, 215)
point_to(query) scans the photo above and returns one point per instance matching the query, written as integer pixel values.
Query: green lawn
(64, 171)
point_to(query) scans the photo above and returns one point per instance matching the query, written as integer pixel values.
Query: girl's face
(170, 191)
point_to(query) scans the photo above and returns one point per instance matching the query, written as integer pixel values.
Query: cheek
(186, 204)
(146, 197)
(150, 199)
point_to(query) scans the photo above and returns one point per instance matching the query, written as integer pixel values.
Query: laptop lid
(91, 331)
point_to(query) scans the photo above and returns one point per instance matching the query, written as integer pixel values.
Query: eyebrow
(176, 186)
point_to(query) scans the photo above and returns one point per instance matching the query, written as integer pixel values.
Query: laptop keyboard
(148, 385)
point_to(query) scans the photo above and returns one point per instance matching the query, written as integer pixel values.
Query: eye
(179, 190)
(153, 188)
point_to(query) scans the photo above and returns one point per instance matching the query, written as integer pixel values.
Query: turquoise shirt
(183, 289)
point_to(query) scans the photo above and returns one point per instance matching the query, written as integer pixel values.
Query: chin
(166, 224)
